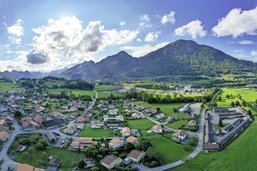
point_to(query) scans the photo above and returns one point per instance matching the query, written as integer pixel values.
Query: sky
(47, 35)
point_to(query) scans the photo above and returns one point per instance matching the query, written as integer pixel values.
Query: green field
(7, 86)
(249, 95)
(107, 87)
(167, 109)
(142, 124)
(177, 124)
(95, 133)
(239, 155)
(168, 150)
(41, 157)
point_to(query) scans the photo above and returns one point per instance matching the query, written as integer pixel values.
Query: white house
(125, 132)
(180, 135)
(110, 161)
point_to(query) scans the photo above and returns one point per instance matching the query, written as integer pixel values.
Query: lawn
(106, 87)
(95, 133)
(7, 86)
(249, 95)
(41, 156)
(167, 109)
(177, 124)
(168, 150)
(142, 124)
(240, 155)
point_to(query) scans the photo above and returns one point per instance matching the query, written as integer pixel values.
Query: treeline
(68, 95)
(155, 86)
(150, 98)
(76, 84)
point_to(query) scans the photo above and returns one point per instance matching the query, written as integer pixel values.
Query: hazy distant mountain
(21, 74)
(183, 57)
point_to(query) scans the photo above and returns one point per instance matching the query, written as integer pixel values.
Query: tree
(220, 123)
(227, 96)
(219, 98)
(158, 109)
(237, 103)
(81, 164)
(129, 146)
(17, 114)
(232, 104)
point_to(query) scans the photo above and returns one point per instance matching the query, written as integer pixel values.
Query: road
(7, 161)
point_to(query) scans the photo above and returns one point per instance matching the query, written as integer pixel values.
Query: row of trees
(151, 98)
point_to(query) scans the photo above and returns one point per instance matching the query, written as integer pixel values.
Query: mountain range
(179, 58)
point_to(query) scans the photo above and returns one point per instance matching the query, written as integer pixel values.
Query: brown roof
(4, 136)
(109, 159)
(115, 141)
(134, 154)
(26, 167)
(57, 115)
(131, 139)
(39, 119)
(4, 128)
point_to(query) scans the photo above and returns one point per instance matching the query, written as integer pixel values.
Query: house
(51, 137)
(192, 123)
(111, 161)
(159, 116)
(38, 119)
(26, 167)
(157, 129)
(125, 132)
(28, 124)
(38, 108)
(116, 143)
(4, 135)
(180, 135)
(136, 155)
(53, 123)
(82, 142)
(113, 112)
(57, 115)
(185, 108)
(82, 119)
(97, 124)
(135, 115)
(53, 164)
(132, 140)
(71, 128)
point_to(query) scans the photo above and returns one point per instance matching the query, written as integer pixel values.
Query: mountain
(21, 74)
(179, 58)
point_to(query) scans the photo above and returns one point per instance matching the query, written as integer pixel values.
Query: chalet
(71, 128)
(180, 135)
(57, 115)
(136, 155)
(192, 123)
(38, 119)
(26, 167)
(116, 143)
(159, 116)
(38, 108)
(131, 139)
(157, 129)
(111, 161)
(4, 135)
(82, 142)
(135, 115)
(125, 132)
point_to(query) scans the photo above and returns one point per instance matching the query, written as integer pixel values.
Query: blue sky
(48, 35)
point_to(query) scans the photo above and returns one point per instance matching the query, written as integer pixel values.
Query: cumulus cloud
(145, 21)
(15, 32)
(152, 36)
(35, 57)
(138, 51)
(168, 18)
(67, 37)
(122, 23)
(193, 29)
(237, 22)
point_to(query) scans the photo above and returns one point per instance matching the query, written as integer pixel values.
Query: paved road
(7, 162)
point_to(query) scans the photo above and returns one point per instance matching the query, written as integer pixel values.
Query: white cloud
(254, 53)
(237, 22)
(246, 42)
(145, 21)
(138, 51)
(122, 23)
(152, 36)
(15, 32)
(68, 38)
(193, 29)
(168, 18)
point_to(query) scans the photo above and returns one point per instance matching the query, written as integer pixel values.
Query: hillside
(183, 57)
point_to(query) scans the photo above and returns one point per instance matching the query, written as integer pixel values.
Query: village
(77, 125)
